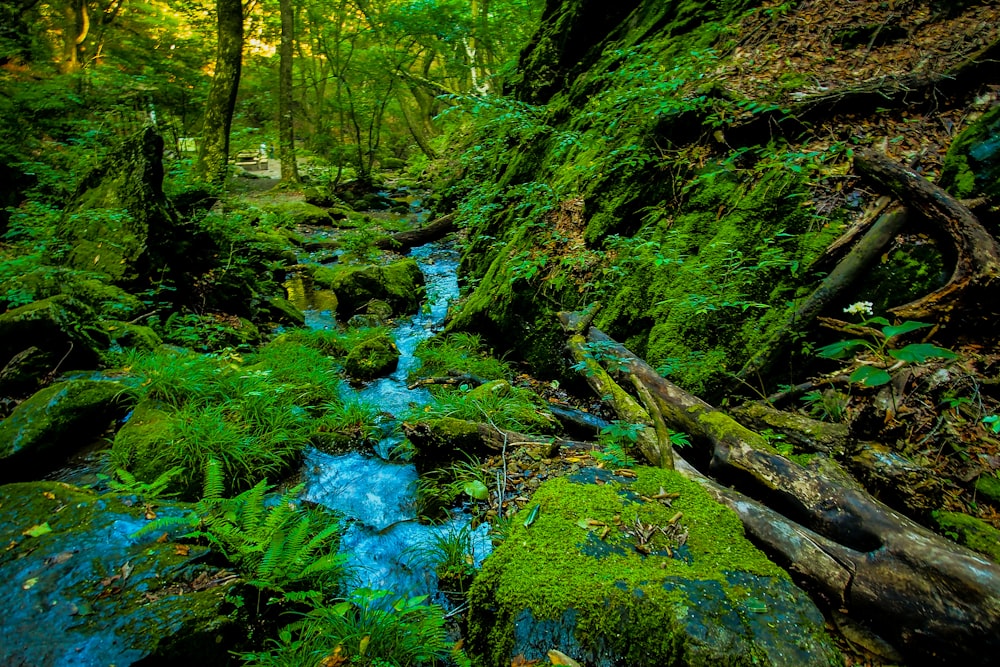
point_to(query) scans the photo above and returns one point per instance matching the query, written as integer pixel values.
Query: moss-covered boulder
(372, 356)
(86, 287)
(60, 325)
(284, 311)
(298, 212)
(82, 589)
(648, 572)
(55, 422)
(133, 336)
(399, 284)
(972, 166)
(118, 218)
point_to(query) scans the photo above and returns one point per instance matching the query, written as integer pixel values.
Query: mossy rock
(573, 576)
(132, 336)
(139, 442)
(83, 589)
(988, 487)
(972, 166)
(299, 213)
(56, 422)
(284, 311)
(118, 217)
(376, 314)
(535, 416)
(60, 325)
(373, 356)
(400, 284)
(45, 281)
(971, 532)
(26, 371)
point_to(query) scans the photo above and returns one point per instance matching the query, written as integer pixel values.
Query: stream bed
(386, 547)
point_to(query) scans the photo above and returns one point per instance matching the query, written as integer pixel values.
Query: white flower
(860, 308)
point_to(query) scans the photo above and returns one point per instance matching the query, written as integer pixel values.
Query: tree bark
(919, 591)
(286, 124)
(978, 263)
(213, 157)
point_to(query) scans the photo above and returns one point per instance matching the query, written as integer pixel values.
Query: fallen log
(977, 265)
(432, 231)
(922, 593)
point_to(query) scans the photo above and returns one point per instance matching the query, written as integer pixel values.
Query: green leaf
(476, 489)
(39, 530)
(870, 376)
(900, 329)
(877, 320)
(532, 515)
(841, 348)
(921, 352)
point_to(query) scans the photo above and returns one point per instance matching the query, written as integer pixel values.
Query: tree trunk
(213, 158)
(286, 125)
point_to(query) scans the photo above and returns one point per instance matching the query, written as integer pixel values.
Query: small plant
(992, 422)
(350, 423)
(827, 405)
(280, 546)
(879, 344)
(125, 482)
(452, 553)
(368, 629)
(462, 353)
(616, 438)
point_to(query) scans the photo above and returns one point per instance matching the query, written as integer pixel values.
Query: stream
(386, 547)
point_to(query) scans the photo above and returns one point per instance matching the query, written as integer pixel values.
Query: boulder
(399, 284)
(373, 356)
(118, 218)
(58, 325)
(55, 422)
(82, 589)
(284, 311)
(644, 571)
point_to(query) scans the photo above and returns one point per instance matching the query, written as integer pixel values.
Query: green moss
(639, 606)
(399, 284)
(292, 212)
(372, 356)
(59, 420)
(971, 532)
(988, 486)
(972, 165)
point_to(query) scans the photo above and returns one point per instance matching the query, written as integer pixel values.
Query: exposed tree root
(922, 593)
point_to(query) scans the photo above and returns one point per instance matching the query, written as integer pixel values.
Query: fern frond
(328, 564)
(272, 558)
(295, 554)
(251, 507)
(322, 537)
(169, 524)
(215, 484)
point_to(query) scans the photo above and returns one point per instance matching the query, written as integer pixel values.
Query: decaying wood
(806, 434)
(455, 379)
(978, 254)
(432, 231)
(924, 594)
(863, 255)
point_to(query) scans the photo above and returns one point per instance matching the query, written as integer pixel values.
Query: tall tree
(214, 154)
(286, 125)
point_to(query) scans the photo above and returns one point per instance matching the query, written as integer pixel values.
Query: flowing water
(387, 549)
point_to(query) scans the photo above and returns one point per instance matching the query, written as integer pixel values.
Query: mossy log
(977, 265)
(922, 593)
(432, 231)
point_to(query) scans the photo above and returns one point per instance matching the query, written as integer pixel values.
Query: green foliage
(992, 422)
(827, 405)
(451, 552)
(367, 629)
(617, 437)
(461, 353)
(275, 546)
(347, 424)
(125, 482)
(497, 403)
(442, 488)
(879, 345)
(252, 415)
